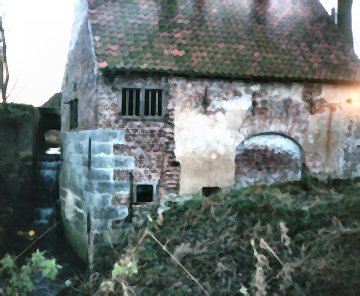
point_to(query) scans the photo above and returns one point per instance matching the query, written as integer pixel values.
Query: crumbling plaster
(206, 139)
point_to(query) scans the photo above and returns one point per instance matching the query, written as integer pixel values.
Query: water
(44, 216)
(48, 180)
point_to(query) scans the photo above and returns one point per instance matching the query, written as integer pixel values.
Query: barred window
(130, 102)
(153, 102)
(141, 102)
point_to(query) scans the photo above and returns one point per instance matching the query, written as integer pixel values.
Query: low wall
(18, 138)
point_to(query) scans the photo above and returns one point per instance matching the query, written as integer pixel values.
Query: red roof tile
(287, 39)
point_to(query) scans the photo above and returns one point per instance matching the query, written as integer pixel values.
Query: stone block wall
(89, 194)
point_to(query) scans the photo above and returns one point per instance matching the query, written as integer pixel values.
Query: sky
(38, 37)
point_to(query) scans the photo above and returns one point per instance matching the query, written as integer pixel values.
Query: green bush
(18, 281)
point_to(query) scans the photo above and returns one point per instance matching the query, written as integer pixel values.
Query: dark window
(207, 191)
(144, 193)
(73, 113)
(130, 102)
(153, 102)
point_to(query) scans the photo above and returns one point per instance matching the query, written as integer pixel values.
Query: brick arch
(266, 158)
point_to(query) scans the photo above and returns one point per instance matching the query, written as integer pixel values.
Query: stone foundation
(89, 194)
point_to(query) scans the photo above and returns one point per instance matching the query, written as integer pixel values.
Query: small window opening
(144, 193)
(153, 102)
(207, 191)
(130, 102)
(73, 113)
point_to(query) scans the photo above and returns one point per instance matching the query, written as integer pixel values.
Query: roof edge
(109, 73)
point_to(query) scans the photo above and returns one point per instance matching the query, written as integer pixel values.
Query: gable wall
(80, 74)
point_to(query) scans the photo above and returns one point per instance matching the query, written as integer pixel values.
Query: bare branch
(5, 80)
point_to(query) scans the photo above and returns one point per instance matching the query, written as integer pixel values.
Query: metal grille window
(73, 113)
(153, 102)
(130, 102)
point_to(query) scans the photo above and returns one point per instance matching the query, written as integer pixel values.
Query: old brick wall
(212, 117)
(267, 158)
(80, 74)
(150, 142)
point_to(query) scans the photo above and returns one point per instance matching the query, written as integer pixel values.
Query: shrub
(18, 281)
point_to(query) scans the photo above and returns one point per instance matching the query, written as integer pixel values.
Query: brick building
(168, 97)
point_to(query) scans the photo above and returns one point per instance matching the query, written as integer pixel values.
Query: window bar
(137, 104)
(141, 103)
(131, 102)
(123, 102)
(160, 103)
(153, 102)
(157, 103)
(147, 97)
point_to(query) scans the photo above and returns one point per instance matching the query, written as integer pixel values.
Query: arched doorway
(267, 158)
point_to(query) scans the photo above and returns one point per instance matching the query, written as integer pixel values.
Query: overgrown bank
(301, 238)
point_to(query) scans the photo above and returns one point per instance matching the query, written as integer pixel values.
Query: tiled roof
(287, 39)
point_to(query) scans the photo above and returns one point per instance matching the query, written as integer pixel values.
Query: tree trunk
(344, 20)
(4, 65)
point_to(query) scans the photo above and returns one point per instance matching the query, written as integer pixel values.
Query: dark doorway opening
(144, 193)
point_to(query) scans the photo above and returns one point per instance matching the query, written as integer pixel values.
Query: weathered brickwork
(211, 133)
(150, 142)
(80, 75)
(265, 166)
(214, 116)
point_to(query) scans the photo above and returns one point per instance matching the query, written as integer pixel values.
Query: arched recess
(266, 158)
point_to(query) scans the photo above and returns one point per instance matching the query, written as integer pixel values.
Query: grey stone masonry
(87, 186)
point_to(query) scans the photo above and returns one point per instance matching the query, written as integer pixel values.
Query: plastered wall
(212, 117)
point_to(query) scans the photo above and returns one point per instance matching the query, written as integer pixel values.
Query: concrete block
(100, 201)
(78, 147)
(100, 175)
(101, 148)
(100, 224)
(102, 162)
(85, 161)
(105, 187)
(121, 187)
(124, 162)
(108, 135)
(78, 240)
(115, 212)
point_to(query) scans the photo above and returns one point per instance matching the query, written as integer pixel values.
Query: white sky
(38, 38)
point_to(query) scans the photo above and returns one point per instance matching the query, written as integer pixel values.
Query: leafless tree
(4, 69)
